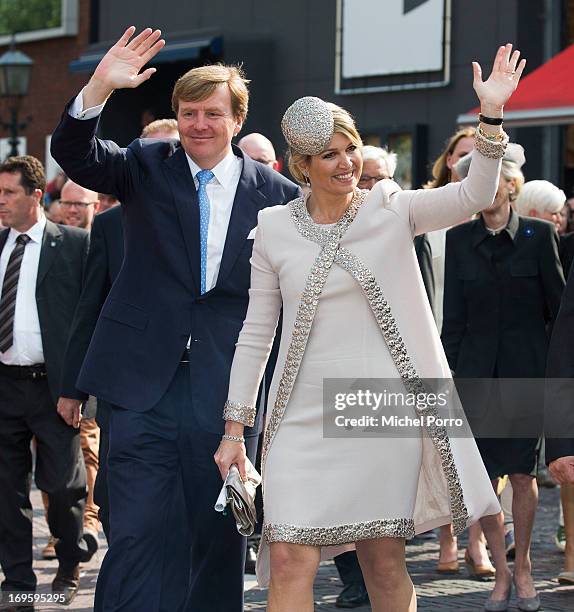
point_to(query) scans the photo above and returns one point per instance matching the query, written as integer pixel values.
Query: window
(6, 147)
(37, 19)
(410, 143)
(405, 45)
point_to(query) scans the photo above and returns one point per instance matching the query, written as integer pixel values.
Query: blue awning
(174, 51)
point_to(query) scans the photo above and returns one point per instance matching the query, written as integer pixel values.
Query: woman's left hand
(503, 80)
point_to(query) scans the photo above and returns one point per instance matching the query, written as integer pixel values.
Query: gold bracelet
(499, 137)
(494, 149)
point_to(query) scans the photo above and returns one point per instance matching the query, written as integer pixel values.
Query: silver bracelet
(233, 438)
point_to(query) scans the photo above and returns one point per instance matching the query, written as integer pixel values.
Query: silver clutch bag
(240, 497)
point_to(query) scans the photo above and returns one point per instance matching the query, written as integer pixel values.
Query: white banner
(382, 37)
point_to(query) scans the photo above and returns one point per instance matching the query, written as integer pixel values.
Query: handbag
(239, 495)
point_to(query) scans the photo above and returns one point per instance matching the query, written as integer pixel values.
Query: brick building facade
(51, 82)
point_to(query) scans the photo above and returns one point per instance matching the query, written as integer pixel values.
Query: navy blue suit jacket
(104, 262)
(155, 304)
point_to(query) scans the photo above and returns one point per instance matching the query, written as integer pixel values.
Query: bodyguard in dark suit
(41, 274)
(163, 346)
(104, 261)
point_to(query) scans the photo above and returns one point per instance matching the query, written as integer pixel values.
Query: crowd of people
(149, 291)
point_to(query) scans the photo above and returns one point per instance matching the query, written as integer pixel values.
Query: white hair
(541, 196)
(388, 158)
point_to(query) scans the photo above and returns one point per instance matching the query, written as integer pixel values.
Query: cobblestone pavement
(434, 592)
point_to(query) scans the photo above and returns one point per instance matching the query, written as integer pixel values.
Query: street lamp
(15, 68)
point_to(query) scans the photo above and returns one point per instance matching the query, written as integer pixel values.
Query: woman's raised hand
(503, 80)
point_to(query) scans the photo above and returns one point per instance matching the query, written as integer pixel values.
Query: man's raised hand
(120, 67)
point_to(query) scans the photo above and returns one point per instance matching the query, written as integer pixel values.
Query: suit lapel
(187, 206)
(51, 243)
(3, 237)
(249, 200)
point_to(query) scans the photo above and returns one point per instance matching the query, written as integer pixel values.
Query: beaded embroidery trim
(340, 534)
(411, 380)
(234, 411)
(328, 238)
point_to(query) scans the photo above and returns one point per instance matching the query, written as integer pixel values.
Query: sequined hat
(308, 125)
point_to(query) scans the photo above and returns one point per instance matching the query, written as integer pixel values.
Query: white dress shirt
(27, 347)
(220, 191)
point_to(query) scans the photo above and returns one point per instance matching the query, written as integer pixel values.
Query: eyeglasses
(69, 204)
(365, 178)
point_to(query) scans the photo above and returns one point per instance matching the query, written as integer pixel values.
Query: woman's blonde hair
(343, 124)
(199, 83)
(511, 170)
(440, 171)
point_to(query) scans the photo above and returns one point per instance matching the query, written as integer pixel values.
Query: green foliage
(26, 15)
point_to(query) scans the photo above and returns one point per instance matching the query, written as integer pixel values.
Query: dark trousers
(349, 568)
(147, 453)
(175, 572)
(26, 410)
(101, 497)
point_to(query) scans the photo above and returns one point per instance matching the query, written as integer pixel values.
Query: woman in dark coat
(503, 284)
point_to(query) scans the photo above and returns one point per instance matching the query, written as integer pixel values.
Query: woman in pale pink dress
(340, 265)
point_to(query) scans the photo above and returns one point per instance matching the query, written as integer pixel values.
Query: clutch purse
(239, 495)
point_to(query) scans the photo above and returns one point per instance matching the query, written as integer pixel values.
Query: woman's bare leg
(384, 569)
(448, 545)
(493, 528)
(567, 495)
(524, 504)
(477, 545)
(293, 569)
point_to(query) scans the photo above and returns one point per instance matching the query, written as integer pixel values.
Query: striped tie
(9, 290)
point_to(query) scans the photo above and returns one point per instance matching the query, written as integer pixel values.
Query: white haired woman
(542, 200)
(378, 163)
(340, 263)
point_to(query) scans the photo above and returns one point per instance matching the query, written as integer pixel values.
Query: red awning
(544, 97)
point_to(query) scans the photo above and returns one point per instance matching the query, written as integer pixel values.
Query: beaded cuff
(241, 413)
(494, 149)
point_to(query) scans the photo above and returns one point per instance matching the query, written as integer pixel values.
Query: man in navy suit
(104, 262)
(163, 345)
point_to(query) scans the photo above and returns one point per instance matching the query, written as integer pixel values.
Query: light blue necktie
(203, 177)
